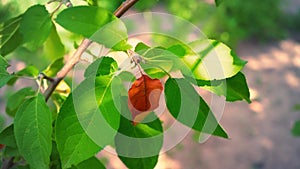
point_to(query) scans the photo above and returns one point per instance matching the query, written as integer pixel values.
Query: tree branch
(83, 46)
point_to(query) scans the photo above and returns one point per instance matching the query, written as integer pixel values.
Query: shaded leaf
(54, 158)
(138, 145)
(4, 75)
(296, 107)
(218, 2)
(144, 95)
(7, 137)
(184, 103)
(296, 128)
(212, 60)
(15, 100)
(33, 130)
(35, 26)
(233, 88)
(10, 36)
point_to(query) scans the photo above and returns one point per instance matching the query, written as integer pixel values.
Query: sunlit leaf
(141, 48)
(91, 163)
(73, 144)
(88, 119)
(138, 145)
(33, 131)
(54, 67)
(84, 20)
(101, 66)
(212, 60)
(35, 26)
(112, 35)
(110, 5)
(4, 75)
(157, 61)
(233, 88)
(184, 103)
(10, 36)
(95, 23)
(53, 48)
(15, 100)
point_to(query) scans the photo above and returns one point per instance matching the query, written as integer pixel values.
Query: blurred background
(266, 33)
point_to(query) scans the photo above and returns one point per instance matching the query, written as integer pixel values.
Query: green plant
(55, 126)
(234, 20)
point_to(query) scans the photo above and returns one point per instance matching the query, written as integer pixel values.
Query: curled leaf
(144, 97)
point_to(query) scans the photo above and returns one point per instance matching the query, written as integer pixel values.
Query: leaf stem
(8, 163)
(82, 47)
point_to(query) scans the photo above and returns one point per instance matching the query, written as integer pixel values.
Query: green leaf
(10, 37)
(29, 71)
(138, 145)
(110, 5)
(84, 20)
(2, 121)
(53, 48)
(233, 88)
(35, 26)
(296, 128)
(158, 61)
(4, 75)
(184, 103)
(54, 67)
(88, 119)
(91, 163)
(141, 48)
(100, 67)
(127, 76)
(296, 107)
(112, 35)
(7, 137)
(33, 130)
(54, 158)
(73, 144)
(97, 24)
(15, 100)
(218, 2)
(212, 60)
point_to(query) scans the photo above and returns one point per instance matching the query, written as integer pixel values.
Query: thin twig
(8, 163)
(82, 47)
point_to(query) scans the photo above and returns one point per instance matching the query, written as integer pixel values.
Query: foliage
(233, 20)
(100, 110)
